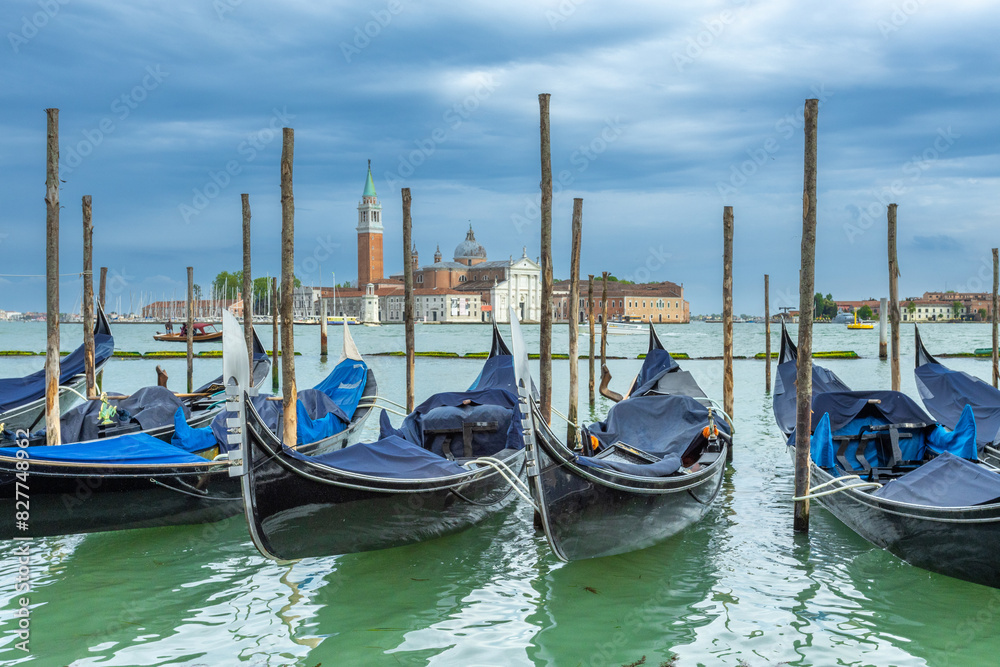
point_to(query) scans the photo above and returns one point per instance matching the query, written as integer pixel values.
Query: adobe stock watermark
(898, 17)
(223, 7)
(581, 158)
(914, 168)
(322, 250)
(562, 12)
(247, 151)
(73, 154)
(32, 24)
(656, 259)
(784, 129)
(453, 118)
(712, 29)
(363, 35)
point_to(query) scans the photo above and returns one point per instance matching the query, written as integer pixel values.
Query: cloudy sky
(662, 113)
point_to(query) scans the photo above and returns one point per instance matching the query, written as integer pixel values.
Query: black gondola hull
(298, 510)
(591, 513)
(67, 498)
(959, 542)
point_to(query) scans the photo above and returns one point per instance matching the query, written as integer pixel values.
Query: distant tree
(982, 314)
(956, 309)
(865, 312)
(197, 292)
(911, 308)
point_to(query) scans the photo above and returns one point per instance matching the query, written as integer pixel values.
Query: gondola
(650, 469)
(945, 393)
(150, 410)
(138, 481)
(22, 400)
(905, 483)
(452, 462)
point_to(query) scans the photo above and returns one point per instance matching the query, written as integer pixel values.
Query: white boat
(627, 328)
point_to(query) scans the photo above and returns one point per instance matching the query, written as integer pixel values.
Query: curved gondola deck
(961, 542)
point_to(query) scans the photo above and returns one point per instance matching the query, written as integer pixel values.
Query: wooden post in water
(289, 392)
(52, 432)
(100, 298)
(727, 313)
(604, 319)
(88, 298)
(893, 300)
(247, 281)
(545, 333)
(767, 333)
(408, 304)
(807, 280)
(590, 323)
(102, 291)
(883, 335)
(322, 328)
(275, 339)
(190, 330)
(996, 285)
(574, 320)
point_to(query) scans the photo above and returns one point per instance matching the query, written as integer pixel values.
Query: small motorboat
(203, 333)
(859, 325)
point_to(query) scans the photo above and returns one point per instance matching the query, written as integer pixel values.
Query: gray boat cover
(946, 481)
(149, 407)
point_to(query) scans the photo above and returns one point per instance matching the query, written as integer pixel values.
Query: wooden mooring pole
(52, 413)
(408, 300)
(807, 280)
(289, 392)
(883, 334)
(275, 338)
(604, 320)
(190, 330)
(767, 333)
(100, 297)
(88, 298)
(727, 314)
(574, 321)
(247, 281)
(545, 333)
(893, 301)
(590, 323)
(322, 329)
(996, 284)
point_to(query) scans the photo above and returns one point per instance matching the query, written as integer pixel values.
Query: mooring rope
(861, 485)
(509, 476)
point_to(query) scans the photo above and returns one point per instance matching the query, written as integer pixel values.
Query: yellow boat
(859, 325)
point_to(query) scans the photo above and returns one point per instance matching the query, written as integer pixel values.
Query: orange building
(369, 235)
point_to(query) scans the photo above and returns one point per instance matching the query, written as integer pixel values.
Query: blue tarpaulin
(946, 393)
(946, 481)
(845, 413)
(322, 411)
(130, 448)
(391, 457)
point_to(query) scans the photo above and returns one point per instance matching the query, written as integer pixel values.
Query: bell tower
(369, 235)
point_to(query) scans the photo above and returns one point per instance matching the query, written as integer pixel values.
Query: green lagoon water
(738, 588)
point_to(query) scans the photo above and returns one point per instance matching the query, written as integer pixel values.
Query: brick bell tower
(369, 235)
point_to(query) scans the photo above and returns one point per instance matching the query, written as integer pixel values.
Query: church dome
(469, 249)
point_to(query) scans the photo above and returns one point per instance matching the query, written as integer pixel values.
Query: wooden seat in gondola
(888, 455)
(466, 431)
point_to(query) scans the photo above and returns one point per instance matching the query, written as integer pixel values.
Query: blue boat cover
(124, 449)
(946, 393)
(667, 426)
(823, 381)
(322, 411)
(657, 363)
(149, 407)
(898, 409)
(946, 481)
(449, 410)
(666, 466)
(391, 457)
(15, 392)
